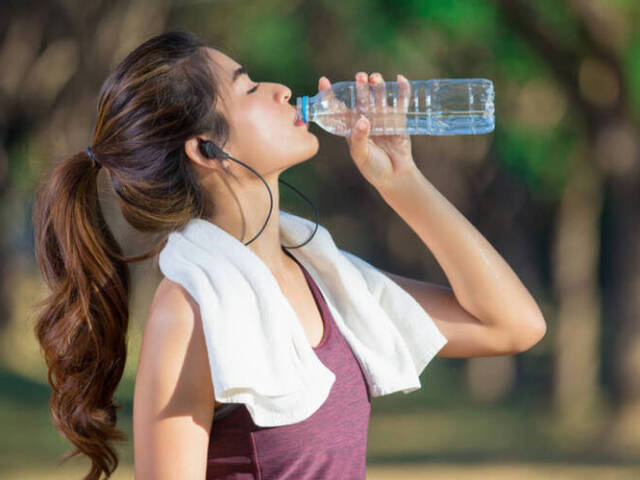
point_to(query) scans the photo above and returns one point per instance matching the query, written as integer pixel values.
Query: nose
(285, 93)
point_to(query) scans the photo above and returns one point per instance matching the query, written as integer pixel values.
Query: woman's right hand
(383, 157)
(396, 118)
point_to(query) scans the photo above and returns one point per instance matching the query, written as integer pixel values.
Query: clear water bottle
(447, 106)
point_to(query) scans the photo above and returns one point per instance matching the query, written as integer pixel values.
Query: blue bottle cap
(305, 100)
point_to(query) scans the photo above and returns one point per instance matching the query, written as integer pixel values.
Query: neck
(244, 213)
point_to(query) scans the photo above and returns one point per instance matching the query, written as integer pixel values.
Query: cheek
(254, 118)
(266, 136)
(261, 126)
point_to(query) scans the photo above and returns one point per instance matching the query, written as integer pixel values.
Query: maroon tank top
(329, 444)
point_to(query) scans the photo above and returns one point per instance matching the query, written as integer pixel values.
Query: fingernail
(362, 125)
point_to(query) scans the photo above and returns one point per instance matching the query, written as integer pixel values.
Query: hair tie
(94, 162)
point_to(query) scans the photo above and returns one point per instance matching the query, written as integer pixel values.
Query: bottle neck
(302, 109)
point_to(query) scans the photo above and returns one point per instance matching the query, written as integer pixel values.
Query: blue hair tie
(94, 162)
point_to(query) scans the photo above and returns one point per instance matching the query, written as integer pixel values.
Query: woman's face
(263, 133)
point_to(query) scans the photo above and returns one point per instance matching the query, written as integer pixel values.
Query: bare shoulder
(170, 293)
(173, 311)
(174, 325)
(173, 397)
(173, 339)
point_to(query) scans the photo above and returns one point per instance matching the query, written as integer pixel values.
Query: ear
(193, 152)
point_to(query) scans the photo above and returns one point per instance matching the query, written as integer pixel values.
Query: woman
(173, 119)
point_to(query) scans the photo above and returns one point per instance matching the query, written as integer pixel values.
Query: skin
(174, 401)
(263, 136)
(488, 311)
(472, 315)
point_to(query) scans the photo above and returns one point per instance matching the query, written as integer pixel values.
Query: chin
(306, 156)
(305, 152)
(316, 144)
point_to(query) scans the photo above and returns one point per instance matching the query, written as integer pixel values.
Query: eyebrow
(239, 71)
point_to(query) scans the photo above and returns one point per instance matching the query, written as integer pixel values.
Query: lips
(296, 121)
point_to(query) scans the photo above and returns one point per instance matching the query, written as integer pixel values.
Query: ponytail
(163, 93)
(83, 324)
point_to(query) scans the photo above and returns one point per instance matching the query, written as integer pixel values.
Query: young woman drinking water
(294, 336)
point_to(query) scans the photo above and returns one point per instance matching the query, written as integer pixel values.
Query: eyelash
(253, 89)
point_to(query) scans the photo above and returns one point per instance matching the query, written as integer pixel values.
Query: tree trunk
(623, 302)
(613, 142)
(576, 248)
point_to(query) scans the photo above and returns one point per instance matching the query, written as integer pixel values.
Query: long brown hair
(162, 93)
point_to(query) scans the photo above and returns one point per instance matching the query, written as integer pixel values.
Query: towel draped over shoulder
(258, 352)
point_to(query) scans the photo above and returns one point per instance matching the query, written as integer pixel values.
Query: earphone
(211, 150)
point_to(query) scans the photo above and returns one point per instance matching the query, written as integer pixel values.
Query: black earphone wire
(218, 152)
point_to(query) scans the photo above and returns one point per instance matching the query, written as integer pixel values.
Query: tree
(591, 72)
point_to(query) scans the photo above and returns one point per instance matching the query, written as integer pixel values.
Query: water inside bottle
(434, 107)
(435, 123)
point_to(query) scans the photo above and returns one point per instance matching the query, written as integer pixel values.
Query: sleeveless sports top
(329, 444)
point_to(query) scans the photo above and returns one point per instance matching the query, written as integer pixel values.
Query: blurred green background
(555, 189)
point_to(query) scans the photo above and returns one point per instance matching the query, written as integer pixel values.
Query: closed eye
(253, 89)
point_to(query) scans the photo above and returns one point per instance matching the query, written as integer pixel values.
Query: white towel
(258, 352)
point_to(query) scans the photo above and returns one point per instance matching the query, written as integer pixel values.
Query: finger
(404, 94)
(362, 92)
(379, 91)
(376, 82)
(359, 146)
(335, 105)
(323, 83)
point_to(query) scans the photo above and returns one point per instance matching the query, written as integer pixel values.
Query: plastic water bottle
(446, 106)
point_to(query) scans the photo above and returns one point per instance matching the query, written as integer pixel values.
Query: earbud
(211, 150)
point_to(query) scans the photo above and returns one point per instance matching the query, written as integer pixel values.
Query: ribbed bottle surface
(432, 107)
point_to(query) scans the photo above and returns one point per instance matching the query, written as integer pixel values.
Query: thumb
(359, 145)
